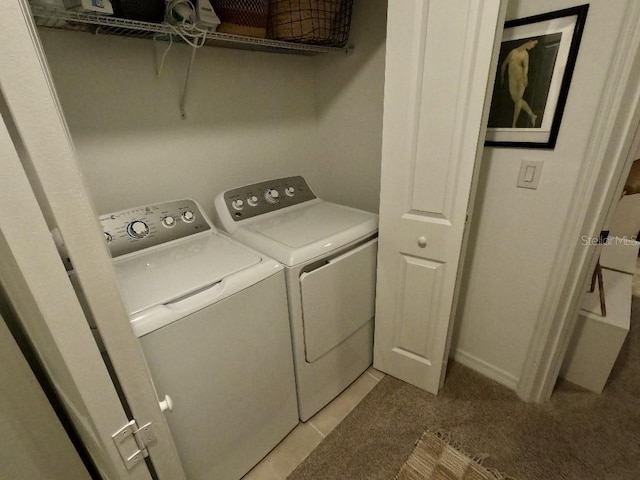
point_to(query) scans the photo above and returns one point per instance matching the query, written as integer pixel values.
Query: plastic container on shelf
(316, 22)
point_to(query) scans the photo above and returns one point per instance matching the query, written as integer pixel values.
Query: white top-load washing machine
(212, 319)
(329, 252)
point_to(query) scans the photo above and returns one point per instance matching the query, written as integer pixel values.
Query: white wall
(350, 98)
(515, 234)
(251, 116)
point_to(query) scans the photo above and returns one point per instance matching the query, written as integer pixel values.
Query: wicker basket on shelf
(316, 22)
(242, 17)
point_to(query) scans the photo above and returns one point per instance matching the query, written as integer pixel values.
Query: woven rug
(438, 457)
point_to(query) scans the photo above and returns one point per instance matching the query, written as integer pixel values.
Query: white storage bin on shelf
(597, 340)
(621, 254)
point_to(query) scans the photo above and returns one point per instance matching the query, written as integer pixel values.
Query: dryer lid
(163, 274)
(296, 235)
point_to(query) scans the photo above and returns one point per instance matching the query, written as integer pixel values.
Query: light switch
(530, 171)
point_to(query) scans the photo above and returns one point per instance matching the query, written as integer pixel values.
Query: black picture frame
(539, 53)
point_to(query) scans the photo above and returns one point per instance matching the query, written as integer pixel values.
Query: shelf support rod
(185, 91)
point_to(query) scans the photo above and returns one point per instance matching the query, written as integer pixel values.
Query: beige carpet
(576, 436)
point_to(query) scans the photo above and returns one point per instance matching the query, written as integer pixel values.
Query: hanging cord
(166, 50)
(184, 27)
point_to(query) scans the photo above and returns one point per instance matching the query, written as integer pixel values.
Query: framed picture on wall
(535, 65)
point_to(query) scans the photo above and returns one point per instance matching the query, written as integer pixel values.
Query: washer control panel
(264, 197)
(137, 228)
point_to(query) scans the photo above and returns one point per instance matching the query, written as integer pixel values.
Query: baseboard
(490, 371)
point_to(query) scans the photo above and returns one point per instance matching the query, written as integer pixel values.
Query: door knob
(422, 242)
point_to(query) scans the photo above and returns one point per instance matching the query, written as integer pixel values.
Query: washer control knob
(169, 221)
(271, 196)
(137, 229)
(238, 204)
(252, 200)
(290, 191)
(108, 237)
(188, 216)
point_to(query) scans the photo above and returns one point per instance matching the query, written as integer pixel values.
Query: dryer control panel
(134, 229)
(264, 197)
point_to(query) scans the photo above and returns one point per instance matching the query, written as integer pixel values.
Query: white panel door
(38, 289)
(440, 62)
(44, 145)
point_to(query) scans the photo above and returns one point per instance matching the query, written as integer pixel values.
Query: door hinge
(132, 441)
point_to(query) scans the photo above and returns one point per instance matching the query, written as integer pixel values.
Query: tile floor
(306, 436)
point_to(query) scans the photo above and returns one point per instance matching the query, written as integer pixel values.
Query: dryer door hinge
(132, 442)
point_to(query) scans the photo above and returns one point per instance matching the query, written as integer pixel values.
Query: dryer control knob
(188, 216)
(252, 200)
(108, 237)
(169, 221)
(238, 204)
(137, 229)
(290, 191)
(271, 196)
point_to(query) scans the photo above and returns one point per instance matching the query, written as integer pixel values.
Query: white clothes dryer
(329, 252)
(212, 319)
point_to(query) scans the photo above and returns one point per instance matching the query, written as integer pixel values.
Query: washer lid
(299, 234)
(163, 274)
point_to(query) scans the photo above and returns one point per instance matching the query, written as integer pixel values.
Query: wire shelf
(108, 25)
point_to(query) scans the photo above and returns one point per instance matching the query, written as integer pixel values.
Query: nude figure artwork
(518, 62)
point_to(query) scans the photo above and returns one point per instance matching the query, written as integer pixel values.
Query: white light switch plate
(530, 171)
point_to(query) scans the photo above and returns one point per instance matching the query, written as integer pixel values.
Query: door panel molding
(420, 275)
(430, 169)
